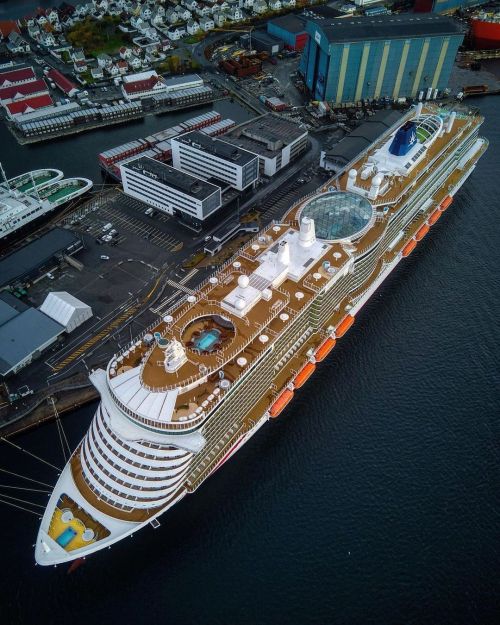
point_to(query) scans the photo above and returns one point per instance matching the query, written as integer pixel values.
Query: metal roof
(29, 258)
(402, 26)
(292, 23)
(24, 334)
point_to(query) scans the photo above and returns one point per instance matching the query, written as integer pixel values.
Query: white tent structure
(67, 310)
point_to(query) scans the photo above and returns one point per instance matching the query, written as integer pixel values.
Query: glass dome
(339, 215)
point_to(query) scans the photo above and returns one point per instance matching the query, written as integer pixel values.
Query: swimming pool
(66, 537)
(207, 339)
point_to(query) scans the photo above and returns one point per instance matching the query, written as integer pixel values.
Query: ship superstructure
(34, 194)
(185, 395)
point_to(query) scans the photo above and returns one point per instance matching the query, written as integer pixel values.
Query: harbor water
(373, 499)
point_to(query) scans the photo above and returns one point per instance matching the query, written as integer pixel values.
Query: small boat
(304, 374)
(343, 326)
(324, 349)
(421, 232)
(409, 247)
(280, 404)
(434, 217)
(445, 203)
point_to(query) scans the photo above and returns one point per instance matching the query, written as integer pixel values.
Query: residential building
(347, 60)
(206, 23)
(17, 44)
(169, 190)
(192, 27)
(202, 156)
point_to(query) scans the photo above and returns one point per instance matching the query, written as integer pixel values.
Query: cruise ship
(32, 195)
(187, 393)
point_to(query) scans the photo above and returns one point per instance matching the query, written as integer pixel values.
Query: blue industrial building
(350, 59)
(445, 6)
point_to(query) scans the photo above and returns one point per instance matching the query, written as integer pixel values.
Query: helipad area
(339, 215)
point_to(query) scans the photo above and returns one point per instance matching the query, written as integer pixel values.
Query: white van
(107, 227)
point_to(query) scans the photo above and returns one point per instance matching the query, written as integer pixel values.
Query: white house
(191, 5)
(96, 73)
(125, 53)
(47, 40)
(204, 10)
(219, 18)
(135, 62)
(80, 66)
(206, 24)
(275, 5)
(192, 27)
(235, 14)
(146, 13)
(16, 44)
(52, 16)
(259, 7)
(104, 60)
(184, 14)
(176, 32)
(112, 70)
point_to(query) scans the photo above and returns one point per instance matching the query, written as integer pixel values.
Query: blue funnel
(405, 139)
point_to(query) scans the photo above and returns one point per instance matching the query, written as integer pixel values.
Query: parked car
(104, 257)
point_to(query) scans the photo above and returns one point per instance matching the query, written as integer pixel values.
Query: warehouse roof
(29, 104)
(402, 26)
(16, 75)
(359, 139)
(292, 23)
(171, 177)
(24, 89)
(24, 334)
(27, 259)
(61, 81)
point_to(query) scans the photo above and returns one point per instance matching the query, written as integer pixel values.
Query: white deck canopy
(67, 310)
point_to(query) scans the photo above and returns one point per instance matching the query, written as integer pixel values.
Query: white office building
(169, 190)
(209, 158)
(275, 140)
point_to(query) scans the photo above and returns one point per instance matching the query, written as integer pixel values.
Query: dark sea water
(373, 499)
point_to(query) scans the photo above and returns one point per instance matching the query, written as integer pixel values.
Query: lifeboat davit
(304, 374)
(281, 403)
(324, 349)
(343, 326)
(421, 232)
(445, 203)
(409, 247)
(434, 217)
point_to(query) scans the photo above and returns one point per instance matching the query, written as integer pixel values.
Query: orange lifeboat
(324, 349)
(409, 247)
(445, 203)
(343, 326)
(434, 217)
(421, 232)
(304, 374)
(281, 403)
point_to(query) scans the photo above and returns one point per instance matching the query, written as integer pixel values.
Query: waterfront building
(347, 60)
(16, 77)
(291, 29)
(206, 158)
(25, 333)
(169, 190)
(143, 85)
(445, 6)
(275, 140)
(63, 83)
(23, 91)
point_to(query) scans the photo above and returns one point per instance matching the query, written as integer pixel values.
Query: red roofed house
(64, 84)
(142, 85)
(23, 91)
(17, 109)
(7, 27)
(16, 77)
